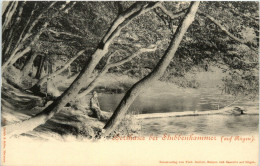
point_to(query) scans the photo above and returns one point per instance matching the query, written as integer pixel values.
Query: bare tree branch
(67, 64)
(170, 14)
(69, 8)
(64, 33)
(212, 20)
(14, 56)
(13, 26)
(127, 59)
(92, 85)
(17, 21)
(157, 72)
(6, 6)
(226, 31)
(9, 15)
(110, 56)
(18, 18)
(25, 27)
(29, 33)
(72, 92)
(120, 19)
(123, 19)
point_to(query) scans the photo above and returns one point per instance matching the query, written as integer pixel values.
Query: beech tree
(158, 71)
(121, 21)
(169, 39)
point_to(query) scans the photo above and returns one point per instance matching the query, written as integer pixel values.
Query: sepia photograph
(122, 72)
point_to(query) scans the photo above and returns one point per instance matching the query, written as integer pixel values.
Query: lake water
(161, 101)
(155, 100)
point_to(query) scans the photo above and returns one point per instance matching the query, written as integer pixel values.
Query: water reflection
(172, 103)
(199, 100)
(204, 125)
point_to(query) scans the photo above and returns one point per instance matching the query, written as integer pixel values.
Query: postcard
(171, 83)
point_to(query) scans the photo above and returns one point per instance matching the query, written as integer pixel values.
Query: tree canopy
(130, 38)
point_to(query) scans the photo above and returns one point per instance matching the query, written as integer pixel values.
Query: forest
(60, 59)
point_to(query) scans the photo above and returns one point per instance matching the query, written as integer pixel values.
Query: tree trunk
(44, 79)
(71, 93)
(120, 22)
(40, 67)
(15, 55)
(60, 102)
(69, 71)
(158, 71)
(109, 65)
(9, 15)
(29, 64)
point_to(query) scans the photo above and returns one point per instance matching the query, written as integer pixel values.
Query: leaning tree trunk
(29, 65)
(71, 93)
(38, 85)
(8, 14)
(60, 102)
(109, 65)
(17, 51)
(40, 67)
(158, 71)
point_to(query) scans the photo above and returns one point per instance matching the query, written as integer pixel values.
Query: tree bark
(28, 66)
(158, 71)
(71, 93)
(216, 22)
(44, 79)
(226, 31)
(9, 14)
(16, 52)
(93, 84)
(13, 25)
(40, 67)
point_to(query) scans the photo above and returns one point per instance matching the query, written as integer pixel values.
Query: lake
(159, 100)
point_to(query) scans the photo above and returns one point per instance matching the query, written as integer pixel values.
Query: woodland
(55, 54)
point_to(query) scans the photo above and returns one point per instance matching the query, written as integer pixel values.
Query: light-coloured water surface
(163, 101)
